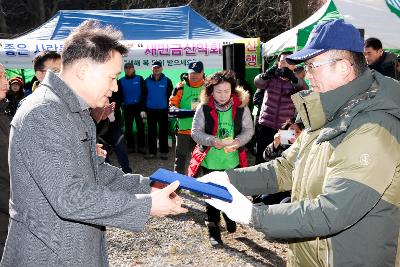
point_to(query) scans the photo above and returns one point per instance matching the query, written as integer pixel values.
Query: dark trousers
(4, 215)
(183, 152)
(132, 113)
(114, 139)
(157, 117)
(264, 136)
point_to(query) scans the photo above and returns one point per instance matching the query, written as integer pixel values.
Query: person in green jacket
(343, 170)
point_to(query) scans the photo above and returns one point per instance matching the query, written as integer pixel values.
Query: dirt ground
(183, 240)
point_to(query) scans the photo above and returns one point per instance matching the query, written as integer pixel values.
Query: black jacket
(5, 119)
(386, 65)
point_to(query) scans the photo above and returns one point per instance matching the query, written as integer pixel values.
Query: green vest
(218, 159)
(189, 100)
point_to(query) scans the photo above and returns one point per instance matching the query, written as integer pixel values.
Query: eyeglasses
(309, 67)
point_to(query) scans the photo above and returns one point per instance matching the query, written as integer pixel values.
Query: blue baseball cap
(330, 35)
(156, 64)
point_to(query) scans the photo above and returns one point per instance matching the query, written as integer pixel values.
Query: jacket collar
(317, 109)
(162, 75)
(130, 77)
(64, 92)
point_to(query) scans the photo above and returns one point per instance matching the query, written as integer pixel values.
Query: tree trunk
(3, 25)
(40, 10)
(298, 11)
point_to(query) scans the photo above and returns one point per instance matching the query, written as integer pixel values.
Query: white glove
(143, 114)
(216, 177)
(173, 109)
(239, 210)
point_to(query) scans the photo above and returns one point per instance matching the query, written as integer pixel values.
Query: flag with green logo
(394, 6)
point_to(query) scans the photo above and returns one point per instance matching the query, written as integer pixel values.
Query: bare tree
(251, 18)
(300, 10)
(3, 25)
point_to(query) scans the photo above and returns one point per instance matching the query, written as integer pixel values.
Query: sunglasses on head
(217, 78)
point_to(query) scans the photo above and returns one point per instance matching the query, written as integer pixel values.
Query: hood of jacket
(335, 109)
(240, 93)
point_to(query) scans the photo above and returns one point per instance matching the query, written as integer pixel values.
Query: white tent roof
(373, 16)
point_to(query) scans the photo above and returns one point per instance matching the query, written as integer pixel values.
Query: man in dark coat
(62, 194)
(5, 119)
(380, 60)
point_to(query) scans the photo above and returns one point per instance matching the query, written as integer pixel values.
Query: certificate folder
(190, 183)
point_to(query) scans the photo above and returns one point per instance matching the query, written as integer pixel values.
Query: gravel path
(183, 240)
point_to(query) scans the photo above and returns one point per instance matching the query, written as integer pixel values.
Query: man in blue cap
(343, 169)
(130, 96)
(157, 90)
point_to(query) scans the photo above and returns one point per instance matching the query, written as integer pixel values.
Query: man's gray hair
(357, 59)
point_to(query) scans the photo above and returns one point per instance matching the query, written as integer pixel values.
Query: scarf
(224, 107)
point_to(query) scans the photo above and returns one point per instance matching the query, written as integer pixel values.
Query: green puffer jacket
(344, 172)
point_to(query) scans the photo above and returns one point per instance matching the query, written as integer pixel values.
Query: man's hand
(165, 202)
(239, 210)
(100, 151)
(277, 139)
(99, 114)
(143, 114)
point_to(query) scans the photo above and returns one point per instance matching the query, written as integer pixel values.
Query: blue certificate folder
(190, 183)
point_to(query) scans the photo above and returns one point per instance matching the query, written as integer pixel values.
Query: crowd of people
(327, 136)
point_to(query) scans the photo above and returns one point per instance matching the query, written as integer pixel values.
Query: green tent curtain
(330, 14)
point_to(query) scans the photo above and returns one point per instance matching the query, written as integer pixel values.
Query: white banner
(174, 54)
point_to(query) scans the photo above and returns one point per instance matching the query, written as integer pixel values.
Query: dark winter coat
(62, 194)
(277, 106)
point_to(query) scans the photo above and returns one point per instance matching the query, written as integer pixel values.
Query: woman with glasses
(222, 125)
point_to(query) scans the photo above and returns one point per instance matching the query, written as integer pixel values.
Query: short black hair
(286, 53)
(42, 57)
(93, 41)
(374, 43)
(289, 122)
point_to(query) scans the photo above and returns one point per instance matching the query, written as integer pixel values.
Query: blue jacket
(131, 89)
(157, 92)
